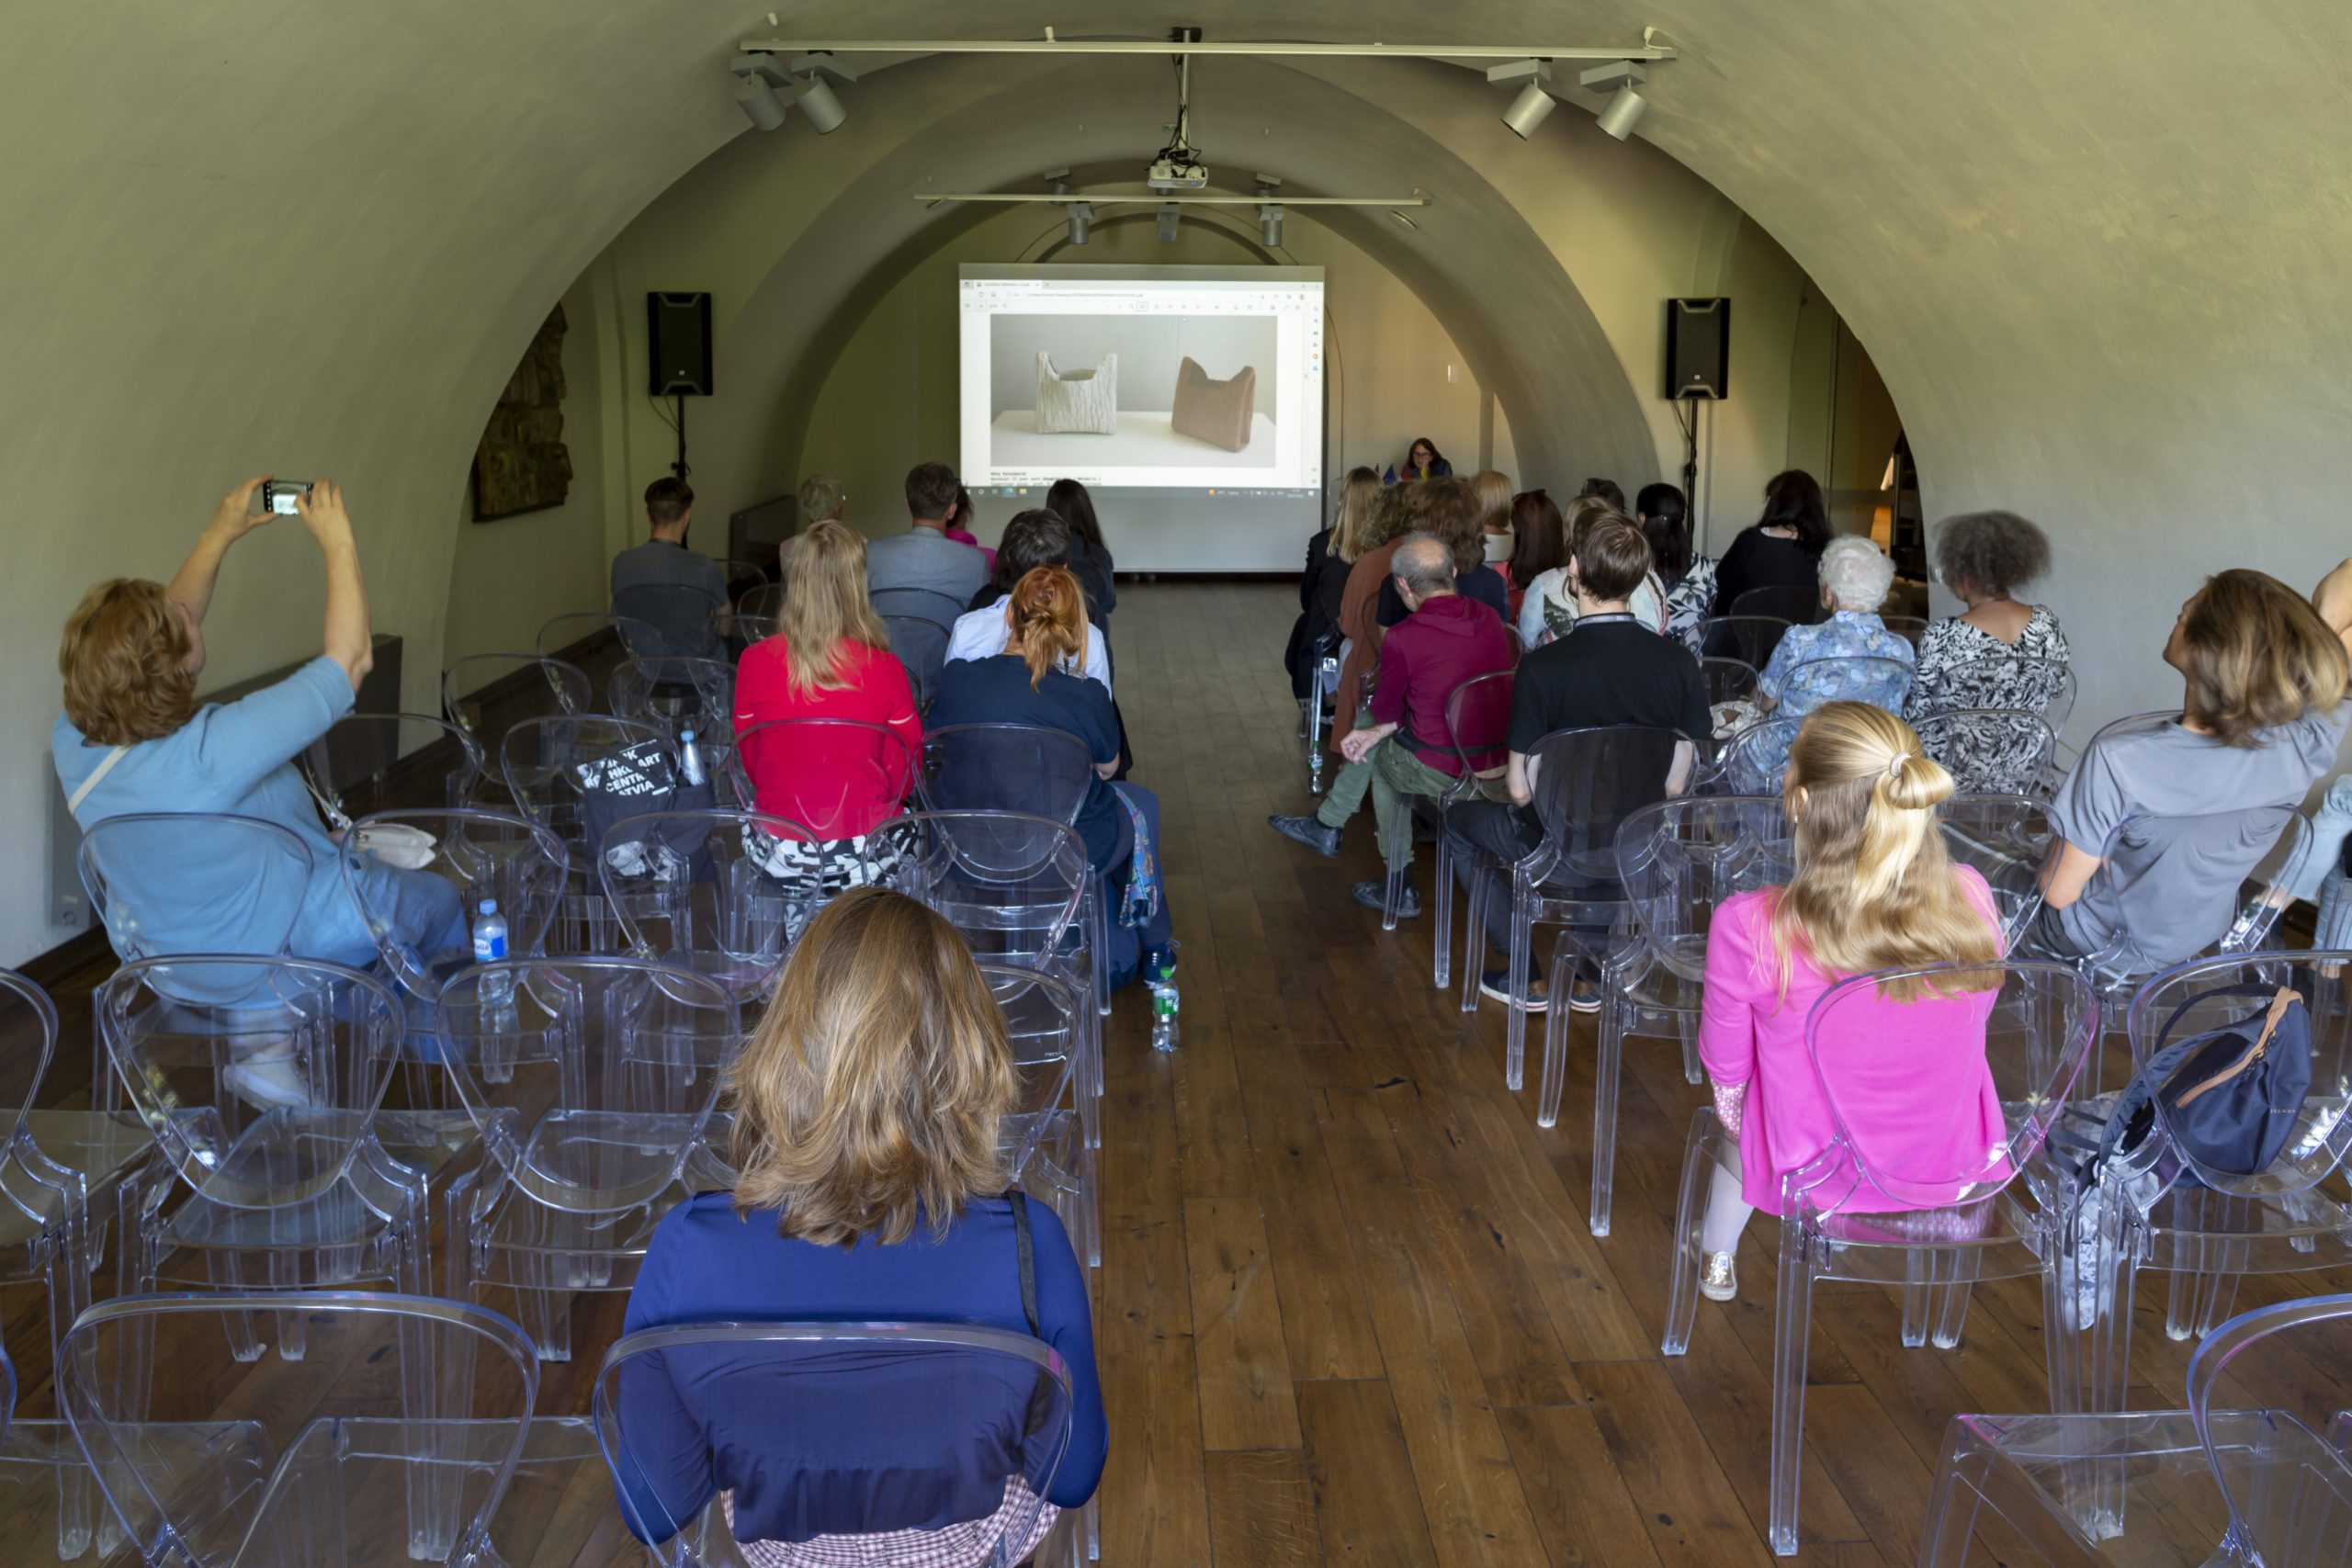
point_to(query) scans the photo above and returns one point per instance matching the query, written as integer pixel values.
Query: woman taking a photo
(829, 658)
(869, 1187)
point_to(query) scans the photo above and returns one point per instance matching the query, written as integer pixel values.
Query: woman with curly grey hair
(1999, 652)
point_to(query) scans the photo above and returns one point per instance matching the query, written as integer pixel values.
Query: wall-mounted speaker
(1697, 347)
(677, 336)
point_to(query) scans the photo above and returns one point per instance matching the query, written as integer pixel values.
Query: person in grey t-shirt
(925, 556)
(2161, 823)
(664, 562)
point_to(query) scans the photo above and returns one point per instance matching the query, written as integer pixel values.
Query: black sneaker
(1496, 983)
(1324, 841)
(1373, 895)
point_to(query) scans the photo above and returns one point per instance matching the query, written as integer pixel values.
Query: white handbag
(400, 845)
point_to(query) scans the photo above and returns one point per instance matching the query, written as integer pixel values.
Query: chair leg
(69, 1294)
(1555, 1040)
(1952, 1506)
(1700, 1154)
(1792, 1339)
(1608, 1070)
(227, 1271)
(1918, 1295)
(1953, 1298)
(1400, 820)
(1473, 935)
(2089, 1264)
(1687, 1024)
(1515, 969)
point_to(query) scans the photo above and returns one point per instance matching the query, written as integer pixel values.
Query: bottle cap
(490, 905)
(686, 735)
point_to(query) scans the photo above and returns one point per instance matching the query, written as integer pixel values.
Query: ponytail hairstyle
(1874, 889)
(1665, 522)
(1048, 621)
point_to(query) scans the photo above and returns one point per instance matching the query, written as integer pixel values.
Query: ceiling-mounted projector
(1169, 174)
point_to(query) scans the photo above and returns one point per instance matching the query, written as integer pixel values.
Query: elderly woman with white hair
(1856, 644)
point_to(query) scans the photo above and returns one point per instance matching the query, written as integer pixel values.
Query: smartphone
(279, 495)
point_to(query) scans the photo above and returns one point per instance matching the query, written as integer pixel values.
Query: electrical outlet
(1453, 374)
(70, 910)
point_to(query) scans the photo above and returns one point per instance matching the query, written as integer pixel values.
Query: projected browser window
(1175, 379)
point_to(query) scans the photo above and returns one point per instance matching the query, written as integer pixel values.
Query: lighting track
(1164, 47)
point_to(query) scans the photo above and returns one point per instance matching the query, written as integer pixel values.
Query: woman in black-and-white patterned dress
(1995, 654)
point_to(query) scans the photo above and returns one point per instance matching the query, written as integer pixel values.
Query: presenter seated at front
(133, 739)
(925, 556)
(666, 560)
(870, 1188)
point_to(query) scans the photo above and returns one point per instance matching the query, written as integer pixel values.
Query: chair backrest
(2201, 903)
(1011, 883)
(310, 1460)
(1680, 859)
(1882, 682)
(2193, 998)
(764, 599)
(481, 854)
(1728, 680)
(1748, 639)
(667, 620)
(365, 759)
(2005, 680)
(1583, 784)
(2006, 838)
(1798, 606)
(175, 882)
(1477, 715)
(550, 764)
(7, 1392)
(1007, 767)
(826, 774)
(613, 1063)
(1990, 751)
(689, 891)
(1915, 1126)
(564, 633)
(677, 694)
(861, 1427)
(744, 628)
(486, 694)
(919, 645)
(1910, 629)
(263, 1092)
(1756, 759)
(2266, 1396)
(29, 1023)
(942, 609)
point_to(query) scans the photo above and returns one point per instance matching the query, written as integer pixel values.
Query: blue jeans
(427, 911)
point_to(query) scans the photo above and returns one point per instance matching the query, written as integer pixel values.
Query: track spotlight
(817, 74)
(1533, 105)
(1626, 106)
(758, 77)
(1169, 216)
(1082, 219)
(1270, 212)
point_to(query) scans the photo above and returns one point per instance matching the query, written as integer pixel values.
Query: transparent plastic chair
(1991, 751)
(582, 634)
(948, 1409)
(766, 599)
(1677, 861)
(390, 1442)
(1748, 637)
(369, 762)
(1910, 629)
(841, 778)
(2253, 1470)
(592, 1082)
(486, 694)
(739, 629)
(2006, 838)
(1882, 682)
(1477, 715)
(2041, 685)
(668, 620)
(1873, 1205)
(1314, 721)
(690, 890)
(678, 694)
(1797, 605)
(1756, 759)
(552, 766)
(1728, 680)
(1583, 784)
(921, 624)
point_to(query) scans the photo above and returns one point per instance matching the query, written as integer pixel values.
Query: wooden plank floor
(1351, 1312)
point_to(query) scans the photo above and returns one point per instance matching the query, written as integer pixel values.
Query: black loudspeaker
(1697, 347)
(677, 336)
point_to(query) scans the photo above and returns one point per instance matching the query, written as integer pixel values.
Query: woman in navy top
(1027, 684)
(866, 1108)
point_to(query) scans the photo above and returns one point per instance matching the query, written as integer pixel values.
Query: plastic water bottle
(1160, 972)
(690, 758)
(497, 991)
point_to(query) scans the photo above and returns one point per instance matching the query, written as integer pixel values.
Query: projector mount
(1179, 170)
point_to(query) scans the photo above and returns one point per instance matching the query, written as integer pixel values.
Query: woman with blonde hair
(1873, 890)
(869, 1187)
(1029, 683)
(829, 658)
(1330, 553)
(1494, 492)
(823, 500)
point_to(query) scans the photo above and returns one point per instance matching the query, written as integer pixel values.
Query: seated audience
(1973, 660)
(829, 658)
(1330, 555)
(1855, 577)
(959, 527)
(1035, 538)
(1449, 508)
(1688, 577)
(1611, 669)
(666, 561)
(133, 740)
(1539, 544)
(1090, 555)
(1549, 607)
(1781, 549)
(925, 556)
(2262, 716)
(1027, 684)
(1393, 515)
(1606, 490)
(1874, 889)
(1423, 461)
(1494, 492)
(1411, 749)
(823, 500)
(870, 1187)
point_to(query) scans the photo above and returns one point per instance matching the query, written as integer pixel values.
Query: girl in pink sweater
(1874, 891)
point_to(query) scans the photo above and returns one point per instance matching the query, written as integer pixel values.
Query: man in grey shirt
(925, 556)
(2162, 822)
(646, 577)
